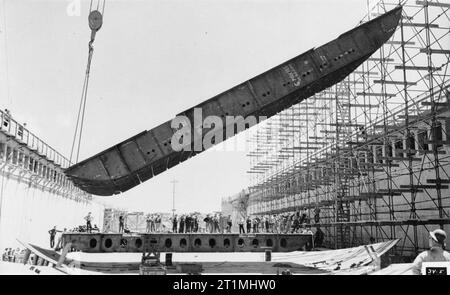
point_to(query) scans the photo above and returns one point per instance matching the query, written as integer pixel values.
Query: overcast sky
(152, 60)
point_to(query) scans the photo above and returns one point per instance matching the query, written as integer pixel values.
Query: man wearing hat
(436, 252)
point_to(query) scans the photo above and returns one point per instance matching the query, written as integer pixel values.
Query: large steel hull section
(149, 153)
(100, 243)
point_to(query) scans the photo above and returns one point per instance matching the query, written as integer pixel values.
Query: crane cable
(95, 23)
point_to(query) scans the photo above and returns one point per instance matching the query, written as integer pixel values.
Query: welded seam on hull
(157, 142)
(123, 160)
(104, 167)
(253, 93)
(141, 152)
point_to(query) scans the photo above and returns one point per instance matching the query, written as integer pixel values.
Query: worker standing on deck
(287, 228)
(206, 220)
(216, 223)
(174, 223)
(271, 220)
(121, 224)
(195, 223)
(241, 226)
(60, 242)
(295, 223)
(230, 223)
(187, 223)
(211, 223)
(249, 224)
(436, 253)
(152, 223)
(52, 233)
(181, 228)
(147, 221)
(89, 219)
(255, 225)
(317, 214)
(158, 222)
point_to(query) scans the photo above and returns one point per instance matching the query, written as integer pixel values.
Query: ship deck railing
(23, 136)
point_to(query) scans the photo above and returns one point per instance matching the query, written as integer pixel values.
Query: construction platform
(188, 242)
(356, 261)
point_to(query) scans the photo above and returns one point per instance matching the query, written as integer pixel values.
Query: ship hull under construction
(149, 153)
(193, 242)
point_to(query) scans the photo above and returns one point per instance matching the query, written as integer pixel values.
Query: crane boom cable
(103, 8)
(78, 120)
(95, 23)
(91, 51)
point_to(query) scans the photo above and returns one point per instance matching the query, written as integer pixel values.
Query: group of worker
(153, 222)
(275, 223)
(185, 223)
(193, 223)
(217, 223)
(88, 228)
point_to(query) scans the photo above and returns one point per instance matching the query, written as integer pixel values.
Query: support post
(64, 252)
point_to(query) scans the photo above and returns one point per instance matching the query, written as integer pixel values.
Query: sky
(152, 60)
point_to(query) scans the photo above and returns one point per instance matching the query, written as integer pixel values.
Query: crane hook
(95, 22)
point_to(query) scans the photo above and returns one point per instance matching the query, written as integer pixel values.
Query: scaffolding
(371, 153)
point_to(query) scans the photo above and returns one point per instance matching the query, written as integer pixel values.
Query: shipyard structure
(357, 140)
(35, 195)
(368, 158)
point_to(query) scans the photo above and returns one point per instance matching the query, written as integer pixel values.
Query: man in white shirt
(241, 226)
(436, 253)
(89, 219)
